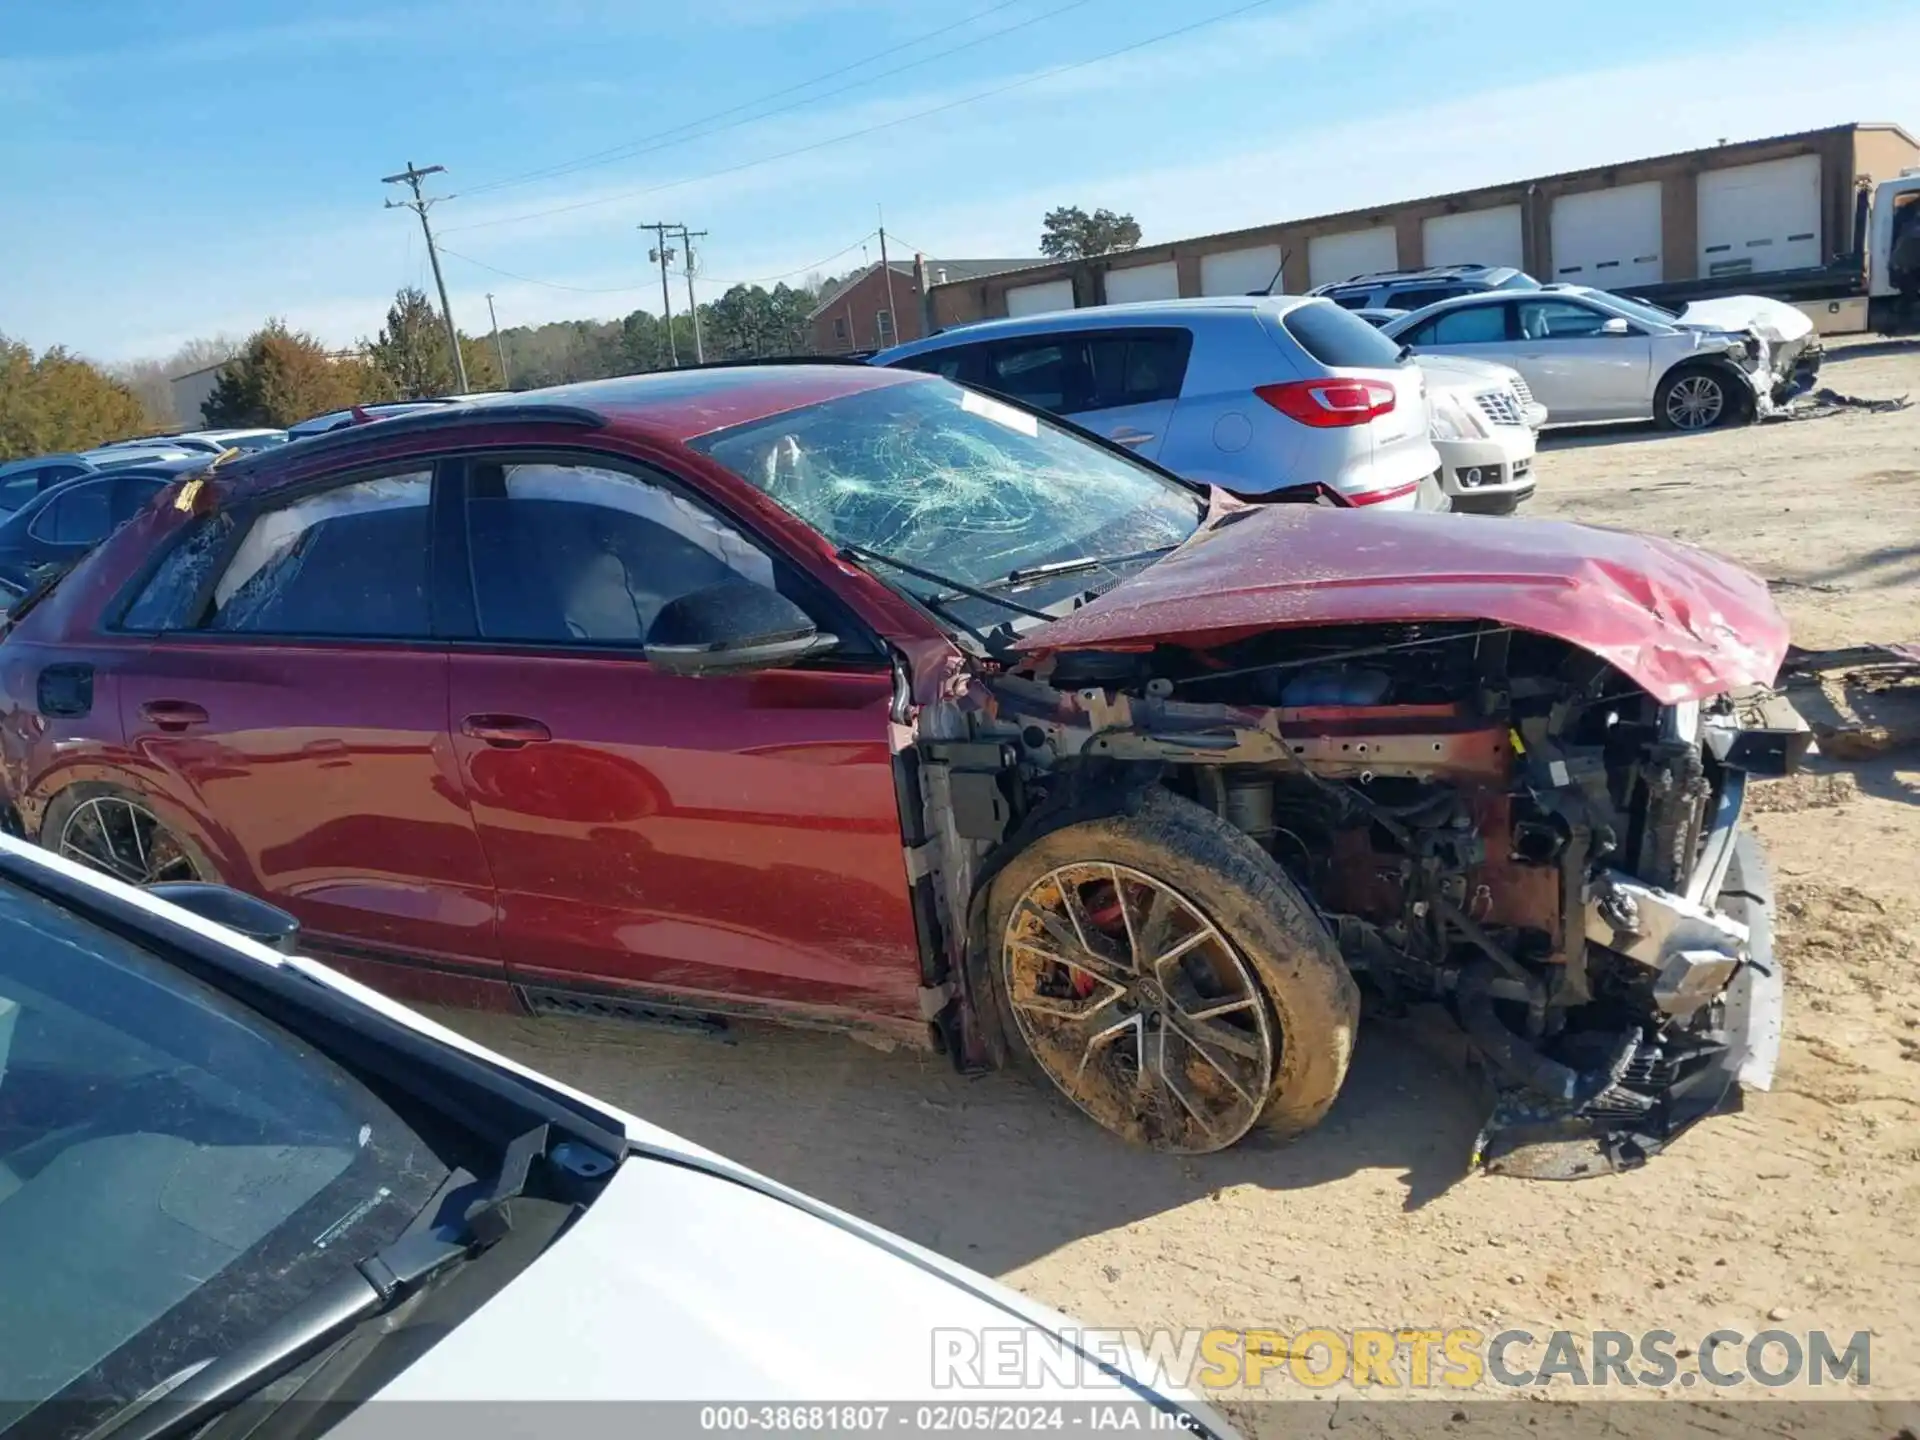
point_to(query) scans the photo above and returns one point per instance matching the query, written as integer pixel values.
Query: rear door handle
(505, 732)
(173, 714)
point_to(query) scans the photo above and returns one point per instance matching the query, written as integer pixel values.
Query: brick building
(865, 313)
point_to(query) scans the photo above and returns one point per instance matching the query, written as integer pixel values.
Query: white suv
(1251, 393)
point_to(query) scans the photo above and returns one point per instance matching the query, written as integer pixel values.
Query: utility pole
(499, 345)
(419, 204)
(687, 237)
(893, 315)
(663, 254)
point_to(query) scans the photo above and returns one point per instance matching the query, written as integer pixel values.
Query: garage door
(1608, 238)
(1039, 299)
(1144, 282)
(1760, 217)
(1475, 237)
(1350, 253)
(1239, 272)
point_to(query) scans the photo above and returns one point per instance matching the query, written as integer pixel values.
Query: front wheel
(1696, 398)
(1169, 979)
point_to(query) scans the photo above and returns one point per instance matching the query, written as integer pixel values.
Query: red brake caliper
(1104, 911)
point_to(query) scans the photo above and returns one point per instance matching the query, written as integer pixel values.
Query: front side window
(351, 561)
(1044, 375)
(1420, 299)
(569, 553)
(175, 1172)
(955, 482)
(1558, 320)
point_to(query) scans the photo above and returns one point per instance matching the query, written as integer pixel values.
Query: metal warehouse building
(1783, 203)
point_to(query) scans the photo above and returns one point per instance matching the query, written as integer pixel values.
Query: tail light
(1327, 404)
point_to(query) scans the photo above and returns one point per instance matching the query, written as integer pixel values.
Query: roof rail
(857, 357)
(443, 417)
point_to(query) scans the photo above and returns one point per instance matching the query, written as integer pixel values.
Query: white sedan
(1590, 355)
(232, 1176)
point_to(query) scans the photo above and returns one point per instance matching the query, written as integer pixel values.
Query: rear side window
(80, 516)
(351, 561)
(165, 602)
(1138, 368)
(1469, 325)
(1352, 299)
(1339, 339)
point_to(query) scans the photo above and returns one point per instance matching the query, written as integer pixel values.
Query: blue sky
(175, 168)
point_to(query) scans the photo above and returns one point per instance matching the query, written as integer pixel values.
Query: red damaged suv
(848, 696)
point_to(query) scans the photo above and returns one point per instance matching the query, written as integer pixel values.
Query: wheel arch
(1739, 385)
(79, 782)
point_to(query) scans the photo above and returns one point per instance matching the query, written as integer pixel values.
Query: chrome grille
(1521, 388)
(1500, 407)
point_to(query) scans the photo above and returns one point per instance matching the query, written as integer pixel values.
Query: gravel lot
(1800, 1212)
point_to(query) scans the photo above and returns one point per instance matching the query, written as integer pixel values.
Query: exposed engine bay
(1483, 817)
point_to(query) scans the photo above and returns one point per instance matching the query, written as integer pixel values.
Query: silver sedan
(1589, 355)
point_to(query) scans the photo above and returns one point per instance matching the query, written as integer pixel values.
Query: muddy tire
(1168, 978)
(1697, 397)
(116, 832)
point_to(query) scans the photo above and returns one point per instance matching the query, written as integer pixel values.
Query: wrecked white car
(1593, 356)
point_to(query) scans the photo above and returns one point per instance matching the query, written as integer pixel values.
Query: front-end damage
(1484, 817)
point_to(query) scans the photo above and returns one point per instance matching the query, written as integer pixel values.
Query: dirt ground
(1801, 1211)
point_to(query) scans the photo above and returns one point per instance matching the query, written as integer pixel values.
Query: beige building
(1782, 203)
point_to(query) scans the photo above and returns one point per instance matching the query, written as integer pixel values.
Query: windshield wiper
(1079, 565)
(933, 602)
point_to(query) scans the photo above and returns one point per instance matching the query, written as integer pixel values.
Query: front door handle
(505, 732)
(1132, 437)
(173, 714)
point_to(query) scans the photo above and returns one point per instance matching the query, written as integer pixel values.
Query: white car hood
(679, 1285)
(1773, 320)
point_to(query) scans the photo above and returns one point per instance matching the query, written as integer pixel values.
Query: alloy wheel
(122, 837)
(1138, 1008)
(1695, 402)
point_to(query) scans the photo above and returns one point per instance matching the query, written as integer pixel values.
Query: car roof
(1099, 317)
(34, 462)
(671, 406)
(1414, 277)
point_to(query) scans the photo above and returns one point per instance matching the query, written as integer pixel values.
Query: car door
(1585, 373)
(728, 841)
(294, 699)
(1135, 378)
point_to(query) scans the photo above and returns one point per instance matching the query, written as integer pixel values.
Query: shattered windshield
(948, 480)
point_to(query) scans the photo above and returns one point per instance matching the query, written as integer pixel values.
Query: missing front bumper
(1654, 1100)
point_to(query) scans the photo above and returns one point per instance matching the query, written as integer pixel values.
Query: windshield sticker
(1017, 420)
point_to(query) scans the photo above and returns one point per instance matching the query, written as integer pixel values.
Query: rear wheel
(1166, 976)
(114, 831)
(1695, 398)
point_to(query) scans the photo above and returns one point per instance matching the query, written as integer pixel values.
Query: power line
(618, 152)
(865, 130)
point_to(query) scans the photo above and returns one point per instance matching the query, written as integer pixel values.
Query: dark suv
(1411, 289)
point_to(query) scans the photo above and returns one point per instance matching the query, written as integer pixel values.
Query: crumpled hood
(1682, 623)
(1775, 321)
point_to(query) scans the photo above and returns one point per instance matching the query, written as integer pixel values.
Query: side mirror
(731, 628)
(1615, 326)
(252, 917)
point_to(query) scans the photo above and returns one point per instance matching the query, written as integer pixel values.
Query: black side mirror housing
(732, 628)
(235, 909)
